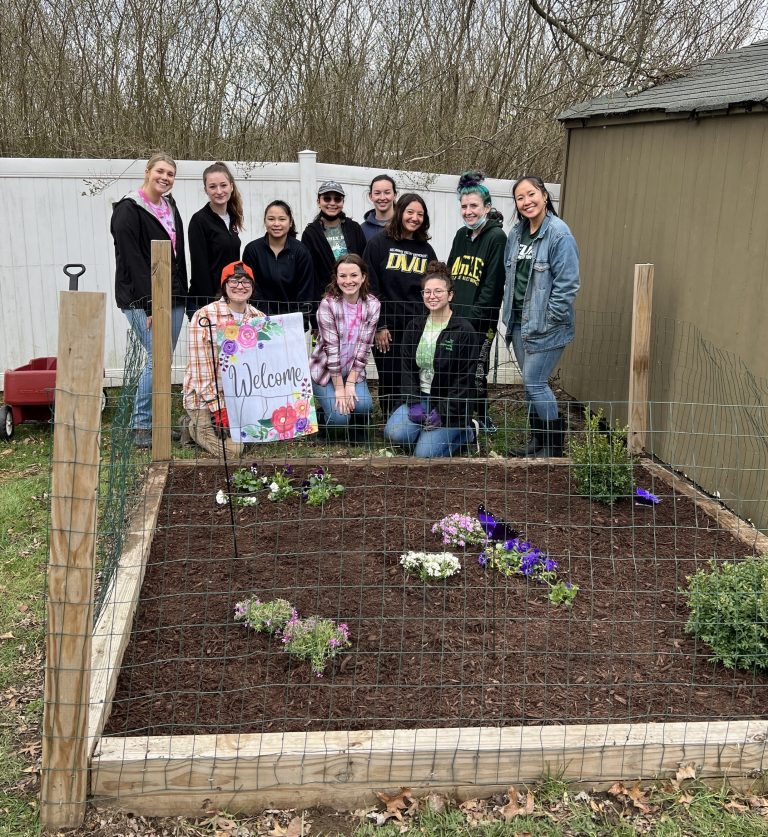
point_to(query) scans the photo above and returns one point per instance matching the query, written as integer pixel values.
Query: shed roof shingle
(735, 78)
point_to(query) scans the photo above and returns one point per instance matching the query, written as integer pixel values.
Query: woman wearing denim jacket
(542, 279)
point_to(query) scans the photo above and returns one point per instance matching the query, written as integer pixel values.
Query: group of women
(372, 289)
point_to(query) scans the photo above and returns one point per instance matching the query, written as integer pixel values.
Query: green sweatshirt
(477, 269)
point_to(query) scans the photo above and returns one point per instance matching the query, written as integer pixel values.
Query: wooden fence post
(640, 357)
(74, 497)
(161, 351)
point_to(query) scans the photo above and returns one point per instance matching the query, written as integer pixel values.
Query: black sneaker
(487, 425)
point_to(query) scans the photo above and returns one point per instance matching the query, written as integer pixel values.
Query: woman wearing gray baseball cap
(331, 235)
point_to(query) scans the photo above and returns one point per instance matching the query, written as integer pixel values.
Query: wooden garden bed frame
(175, 775)
(185, 774)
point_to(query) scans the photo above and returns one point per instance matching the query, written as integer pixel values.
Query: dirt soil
(475, 650)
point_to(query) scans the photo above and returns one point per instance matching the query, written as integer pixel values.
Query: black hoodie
(477, 270)
(313, 238)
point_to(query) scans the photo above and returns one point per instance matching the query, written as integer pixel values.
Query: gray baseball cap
(331, 186)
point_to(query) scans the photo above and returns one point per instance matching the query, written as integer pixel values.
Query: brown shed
(677, 175)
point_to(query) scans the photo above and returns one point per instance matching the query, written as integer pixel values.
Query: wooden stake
(74, 496)
(161, 351)
(640, 358)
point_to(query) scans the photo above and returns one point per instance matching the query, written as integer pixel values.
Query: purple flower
(550, 565)
(645, 498)
(301, 425)
(482, 560)
(287, 470)
(229, 347)
(318, 473)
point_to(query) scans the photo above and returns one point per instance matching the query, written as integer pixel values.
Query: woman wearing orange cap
(203, 394)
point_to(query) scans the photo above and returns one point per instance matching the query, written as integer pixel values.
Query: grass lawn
(551, 807)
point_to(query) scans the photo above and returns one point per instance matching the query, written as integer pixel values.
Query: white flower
(221, 497)
(249, 501)
(431, 564)
(274, 487)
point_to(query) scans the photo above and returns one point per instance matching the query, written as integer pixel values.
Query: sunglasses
(332, 197)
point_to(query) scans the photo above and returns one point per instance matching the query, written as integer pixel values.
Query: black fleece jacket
(313, 238)
(453, 390)
(212, 246)
(284, 281)
(133, 230)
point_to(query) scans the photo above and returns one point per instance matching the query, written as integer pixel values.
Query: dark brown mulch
(476, 650)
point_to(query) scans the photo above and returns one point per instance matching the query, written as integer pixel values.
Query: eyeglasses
(239, 283)
(434, 293)
(332, 197)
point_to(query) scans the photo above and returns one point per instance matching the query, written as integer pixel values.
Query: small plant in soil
(430, 566)
(729, 611)
(280, 484)
(601, 463)
(520, 557)
(264, 617)
(460, 530)
(320, 487)
(315, 639)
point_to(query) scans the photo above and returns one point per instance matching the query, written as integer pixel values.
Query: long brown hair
(235, 202)
(395, 230)
(333, 290)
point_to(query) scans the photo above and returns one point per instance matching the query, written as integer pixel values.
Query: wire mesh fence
(298, 592)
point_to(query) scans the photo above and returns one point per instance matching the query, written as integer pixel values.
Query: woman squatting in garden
(438, 378)
(214, 235)
(382, 193)
(397, 259)
(346, 322)
(203, 393)
(148, 214)
(542, 269)
(281, 265)
(476, 263)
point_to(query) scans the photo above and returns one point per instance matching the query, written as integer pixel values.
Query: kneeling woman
(439, 359)
(203, 393)
(346, 322)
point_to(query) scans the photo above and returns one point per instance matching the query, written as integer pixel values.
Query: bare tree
(438, 85)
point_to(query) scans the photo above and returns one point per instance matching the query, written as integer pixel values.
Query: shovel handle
(74, 271)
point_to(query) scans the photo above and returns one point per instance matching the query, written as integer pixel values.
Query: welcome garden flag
(265, 376)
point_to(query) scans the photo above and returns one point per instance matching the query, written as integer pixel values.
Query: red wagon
(29, 391)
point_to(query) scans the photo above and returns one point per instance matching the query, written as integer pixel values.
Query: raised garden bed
(475, 651)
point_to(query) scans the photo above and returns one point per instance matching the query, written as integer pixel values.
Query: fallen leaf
(518, 805)
(686, 771)
(396, 805)
(735, 807)
(435, 802)
(9, 635)
(295, 828)
(685, 798)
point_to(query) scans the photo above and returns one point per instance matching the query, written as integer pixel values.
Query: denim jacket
(547, 316)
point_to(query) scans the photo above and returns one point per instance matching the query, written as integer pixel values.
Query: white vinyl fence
(57, 211)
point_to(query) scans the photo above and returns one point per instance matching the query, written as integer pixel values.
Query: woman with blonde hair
(146, 214)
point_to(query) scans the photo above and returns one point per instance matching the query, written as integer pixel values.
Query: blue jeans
(326, 395)
(536, 367)
(443, 441)
(142, 405)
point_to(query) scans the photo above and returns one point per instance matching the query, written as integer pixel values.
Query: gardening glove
(220, 421)
(433, 420)
(417, 414)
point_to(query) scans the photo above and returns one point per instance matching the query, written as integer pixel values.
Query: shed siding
(690, 197)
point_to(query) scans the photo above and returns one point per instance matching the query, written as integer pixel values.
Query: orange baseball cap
(236, 269)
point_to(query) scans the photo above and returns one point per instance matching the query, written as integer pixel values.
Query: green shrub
(729, 611)
(602, 465)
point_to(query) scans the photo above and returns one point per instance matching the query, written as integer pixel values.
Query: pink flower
(248, 336)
